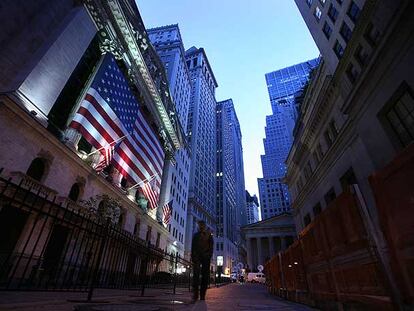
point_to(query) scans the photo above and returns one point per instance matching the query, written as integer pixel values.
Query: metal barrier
(65, 247)
(332, 263)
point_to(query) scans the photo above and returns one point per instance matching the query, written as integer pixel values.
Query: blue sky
(243, 39)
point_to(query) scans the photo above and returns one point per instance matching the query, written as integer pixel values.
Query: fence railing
(49, 246)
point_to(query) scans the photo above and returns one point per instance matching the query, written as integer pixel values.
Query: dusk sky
(244, 40)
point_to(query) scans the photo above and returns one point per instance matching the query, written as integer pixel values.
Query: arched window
(37, 169)
(74, 192)
(137, 227)
(123, 182)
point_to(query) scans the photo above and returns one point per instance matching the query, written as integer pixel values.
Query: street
(244, 297)
(230, 297)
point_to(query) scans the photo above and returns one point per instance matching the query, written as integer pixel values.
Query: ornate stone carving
(110, 45)
(103, 207)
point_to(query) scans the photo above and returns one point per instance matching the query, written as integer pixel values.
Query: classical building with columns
(62, 45)
(268, 237)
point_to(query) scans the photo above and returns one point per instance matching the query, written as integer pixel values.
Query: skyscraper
(252, 209)
(284, 87)
(201, 131)
(230, 207)
(169, 46)
(331, 24)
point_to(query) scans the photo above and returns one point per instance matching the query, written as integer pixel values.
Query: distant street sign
(260, 268)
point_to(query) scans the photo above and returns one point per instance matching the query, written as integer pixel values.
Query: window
(352, 73)
(333, 13)
(353, 11)
(124, 183)
(37, 169)
(398, 116)
(307, 220)
(309, 2)
(361, 56)
(338, 49)
(319, 150)
(340, 1)
(148, 236)
(316, 158)
(74, 192)
(317, 209)
(317, 14)
(327, 30)
(330, 196)
(328, 138)
(157, 243)
(137, 228)
(348, 179)
(322, 2)
(333, 128)
(372, 35)
(345, 32)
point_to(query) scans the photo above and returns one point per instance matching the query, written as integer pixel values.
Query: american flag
(167, 212)
(109, 113)
(149, 191)
(106, 159)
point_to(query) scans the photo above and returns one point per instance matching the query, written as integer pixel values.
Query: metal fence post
(146, 268)
(175, 272)
(189, 278)
(95, 276)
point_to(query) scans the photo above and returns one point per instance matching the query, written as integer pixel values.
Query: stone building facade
(356, 119)
(169, 46)
(268, 237)
(50, 54)
(348, 126)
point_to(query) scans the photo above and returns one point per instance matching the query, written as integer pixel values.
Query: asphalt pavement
(240, 297)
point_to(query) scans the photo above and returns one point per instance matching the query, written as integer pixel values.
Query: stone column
(165, 187)
(260, 260)
(271, 247)
(250, 253)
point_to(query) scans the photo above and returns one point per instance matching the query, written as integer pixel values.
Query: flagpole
(142, 182)
(115, 141)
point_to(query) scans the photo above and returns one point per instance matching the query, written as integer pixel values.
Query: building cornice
(190, 52)
(130, 42)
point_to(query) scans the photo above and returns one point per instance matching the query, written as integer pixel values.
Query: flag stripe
(146, 154)
(138, 163)
(154, 145)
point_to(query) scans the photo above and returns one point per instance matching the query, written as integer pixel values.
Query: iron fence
(53, 246)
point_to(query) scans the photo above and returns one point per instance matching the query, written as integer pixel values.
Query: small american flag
(167, 212)
(110, 112)
(107, 157)
(150, 194)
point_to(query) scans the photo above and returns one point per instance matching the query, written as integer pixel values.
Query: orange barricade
(393, 188)
(331, 262)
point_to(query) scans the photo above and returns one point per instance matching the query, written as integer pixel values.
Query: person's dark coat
(202, 247)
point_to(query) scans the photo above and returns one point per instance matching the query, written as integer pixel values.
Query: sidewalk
(244, 297)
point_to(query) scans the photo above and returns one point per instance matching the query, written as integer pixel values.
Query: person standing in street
(201, 252)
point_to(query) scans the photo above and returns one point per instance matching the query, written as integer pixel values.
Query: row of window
(330, 134)
(346, 180)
